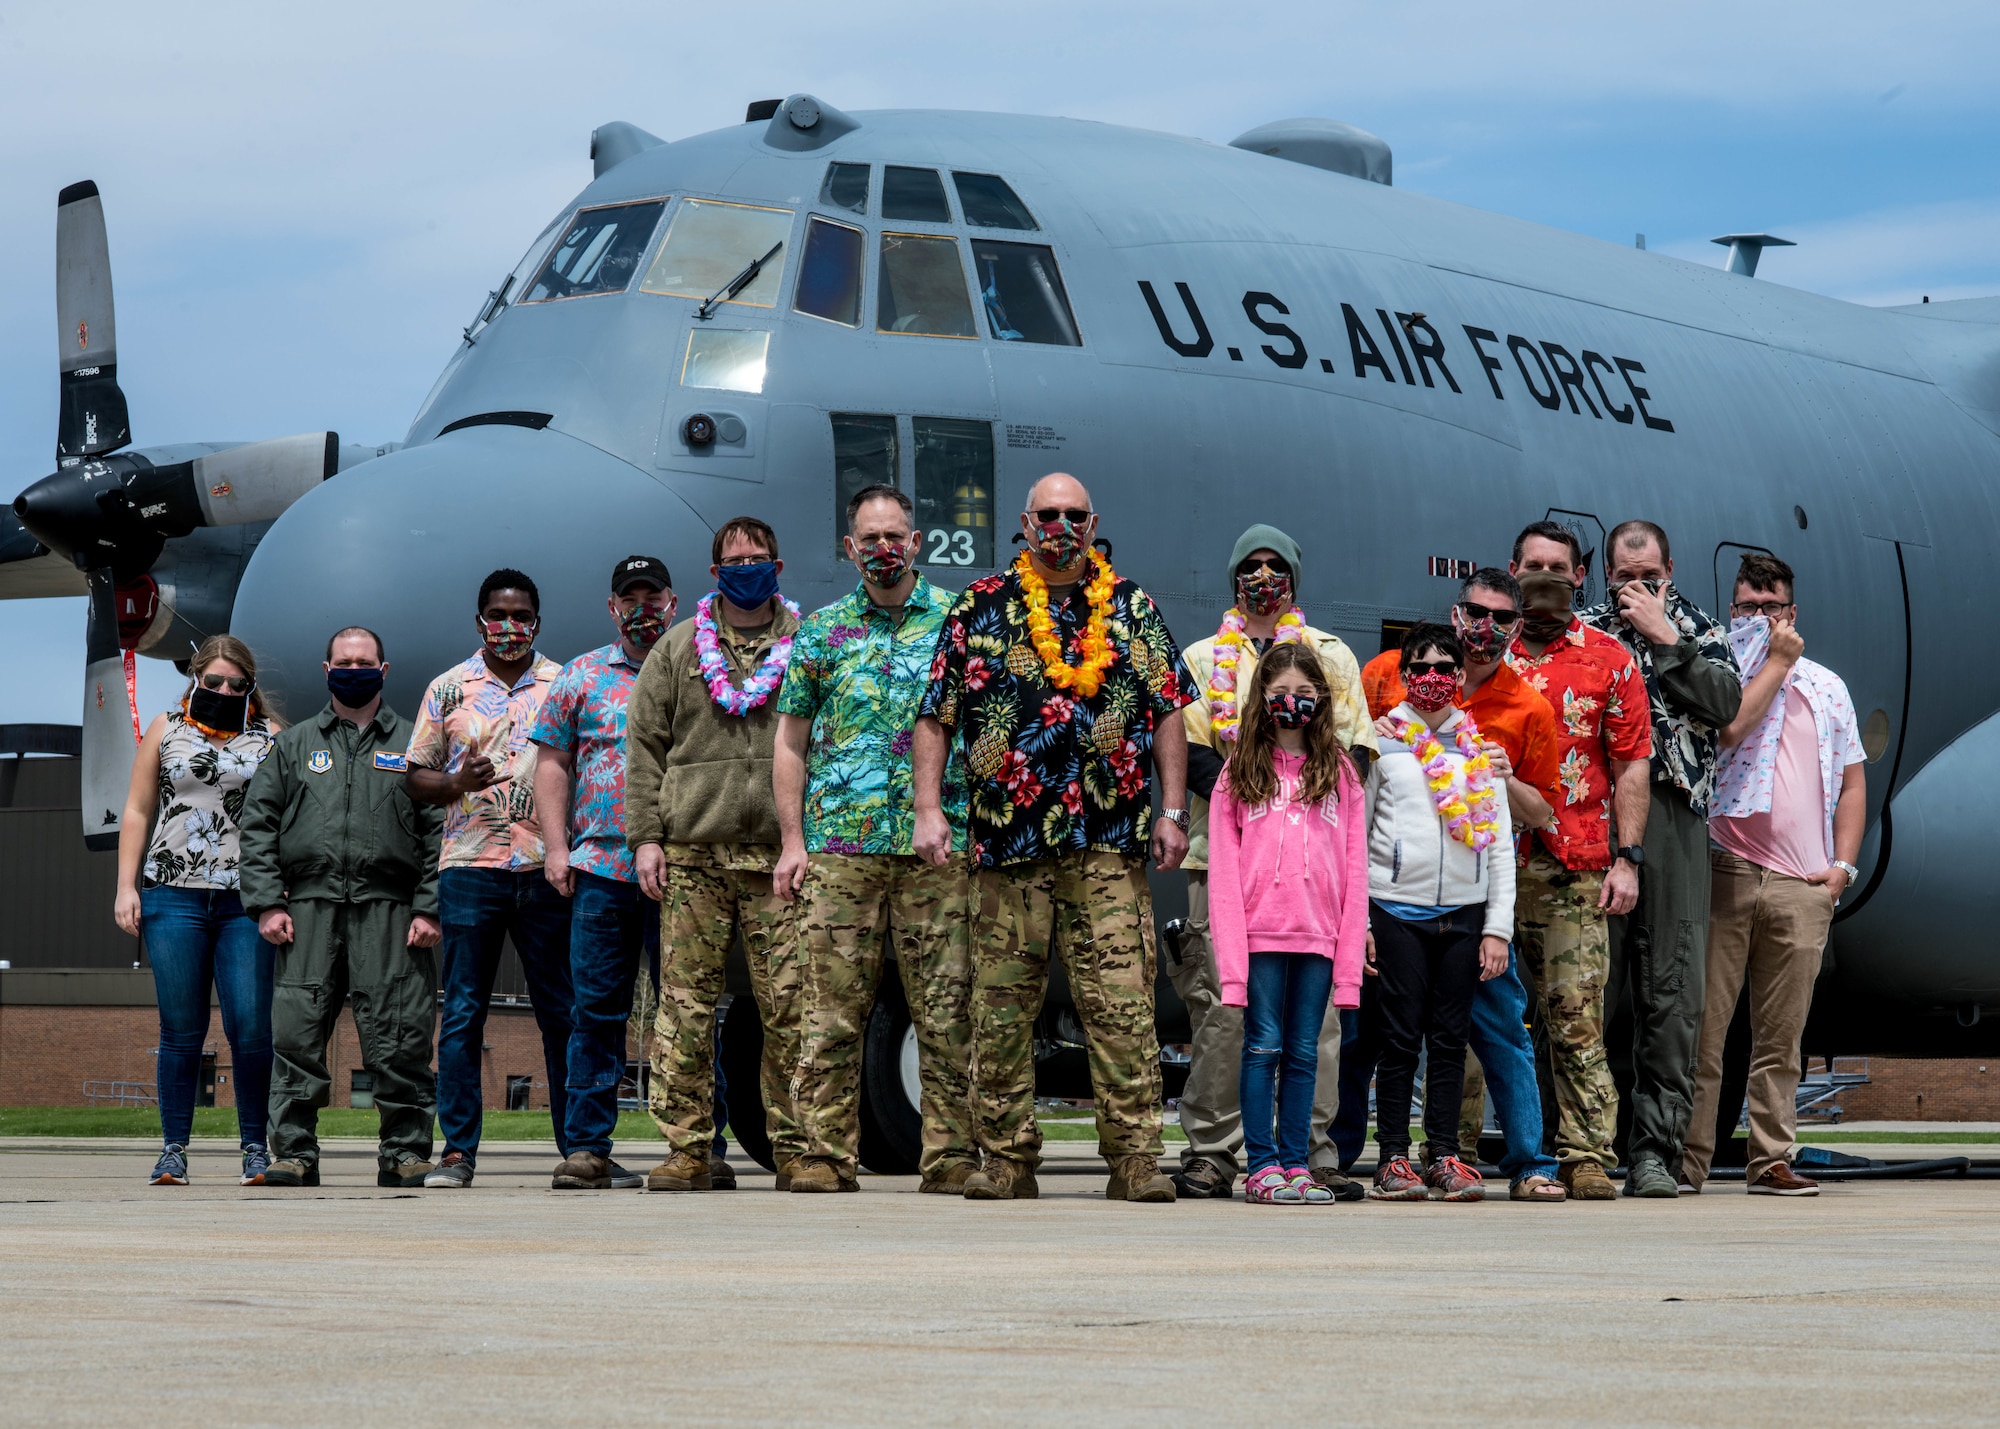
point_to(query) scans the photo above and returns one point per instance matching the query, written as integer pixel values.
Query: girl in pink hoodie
(1288, 905)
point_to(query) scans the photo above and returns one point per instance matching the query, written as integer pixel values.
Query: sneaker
(256, 1161)
(1782, 1180)
(1202, 1180)
(1648, 1177)
(1138, 1178)
(1342, 1187)
(1310, 1191)
(682, 1171)
(1271, 1187)
(292, 1172)
(814, 1174)
(172, 1167)
(1585, 1180)
(1450, 1179)
(721, 1175)
(1397, 1180)
(950, 1181)
(582, 1171)
(623, 1180)
(406, 1175)
(454, 1173)
(1002, 1180)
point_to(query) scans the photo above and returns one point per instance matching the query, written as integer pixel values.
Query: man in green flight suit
(339, 869)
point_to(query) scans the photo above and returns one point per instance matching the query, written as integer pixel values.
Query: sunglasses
(236, 684)
(1432, 667)
(1501, 618)
(1049, 515)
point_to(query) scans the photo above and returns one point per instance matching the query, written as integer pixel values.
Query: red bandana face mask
(1431, 691)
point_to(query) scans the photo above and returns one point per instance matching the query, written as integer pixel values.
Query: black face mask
(354, 685)
(217, 710)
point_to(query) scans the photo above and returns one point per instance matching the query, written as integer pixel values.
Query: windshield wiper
(738, 283)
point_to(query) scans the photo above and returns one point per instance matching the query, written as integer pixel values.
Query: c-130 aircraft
(765, 318)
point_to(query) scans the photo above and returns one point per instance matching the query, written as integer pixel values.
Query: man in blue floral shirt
(841, 776)
(1058, 677)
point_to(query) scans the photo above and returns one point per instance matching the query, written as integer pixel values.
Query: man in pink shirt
(1786, 824)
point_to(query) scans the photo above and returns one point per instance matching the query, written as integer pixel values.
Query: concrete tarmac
(510, 1303)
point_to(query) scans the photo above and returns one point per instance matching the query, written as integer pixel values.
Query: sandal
(1310, 1191)
(1538, 1188)
(1271, 1187)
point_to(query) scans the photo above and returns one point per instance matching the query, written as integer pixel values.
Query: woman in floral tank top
(179, 836)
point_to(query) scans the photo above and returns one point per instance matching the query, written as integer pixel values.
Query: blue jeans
(607, 934)
(480, 907)
(1288, 993)
(1500, 1042)
(195, 936)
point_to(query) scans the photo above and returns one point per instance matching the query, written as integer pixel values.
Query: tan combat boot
(1002, 1180)
(949, 1181)
(682, 1171)
(816, 1173)
(787, 1169)
(582, 1171)
(1585, 1181)
(1138, 1178)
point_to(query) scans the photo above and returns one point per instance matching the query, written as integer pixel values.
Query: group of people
(1525, 816)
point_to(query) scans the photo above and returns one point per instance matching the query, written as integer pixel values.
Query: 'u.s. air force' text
(1552, 374)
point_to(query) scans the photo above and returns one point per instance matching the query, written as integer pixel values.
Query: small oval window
(1875, 734)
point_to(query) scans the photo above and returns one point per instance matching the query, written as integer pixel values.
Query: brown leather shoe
(682, 1171)
(1138, 1178)
(1585, 1181)
(582, 1171)
(1002, 1180)
(1782, 1180)
(950, 1181)
(1202, 1179)
(816, 1173)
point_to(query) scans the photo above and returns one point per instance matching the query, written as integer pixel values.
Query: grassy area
(213, 1121)
(1813, 1136)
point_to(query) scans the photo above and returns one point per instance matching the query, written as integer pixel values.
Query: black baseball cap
(650, 569)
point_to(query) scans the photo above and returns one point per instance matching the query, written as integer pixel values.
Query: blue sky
(304, 209)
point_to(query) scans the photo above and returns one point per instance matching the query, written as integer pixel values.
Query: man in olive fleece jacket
(339, 868)
(703, 828)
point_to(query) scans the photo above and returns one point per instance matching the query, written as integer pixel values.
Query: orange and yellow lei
(1086, 678)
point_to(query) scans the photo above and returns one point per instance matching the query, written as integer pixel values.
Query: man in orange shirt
(1382, 682)
(1518, 729)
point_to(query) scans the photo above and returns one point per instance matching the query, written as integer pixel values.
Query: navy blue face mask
(354, 685)
(747, 587)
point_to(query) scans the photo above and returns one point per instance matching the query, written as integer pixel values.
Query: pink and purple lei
(763, 681)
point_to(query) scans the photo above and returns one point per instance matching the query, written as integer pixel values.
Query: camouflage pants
(1094, 910)
(1564, 942)
(700, 912)
(852, 904)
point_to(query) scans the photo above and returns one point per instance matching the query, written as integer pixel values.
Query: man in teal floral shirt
(842, 778)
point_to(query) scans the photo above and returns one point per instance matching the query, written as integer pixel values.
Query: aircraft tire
(891, 1125)
(742, 1052)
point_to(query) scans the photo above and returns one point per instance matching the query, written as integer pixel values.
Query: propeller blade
(108, 746)
(28, 569)
(93, 419)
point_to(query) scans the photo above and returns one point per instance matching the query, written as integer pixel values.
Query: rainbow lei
(1467, 809)
(769, 674)
(1222, 716)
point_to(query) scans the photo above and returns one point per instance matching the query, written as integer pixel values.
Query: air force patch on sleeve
(397, 763)
(320, 760)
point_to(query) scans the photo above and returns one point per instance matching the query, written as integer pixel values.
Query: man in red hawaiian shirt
(1571, 883)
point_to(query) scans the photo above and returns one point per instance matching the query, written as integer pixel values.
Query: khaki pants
(1094, 910)
(852, 905)
(1770, 929)
(1209, 1112)
(700, 913)
(1564, 943)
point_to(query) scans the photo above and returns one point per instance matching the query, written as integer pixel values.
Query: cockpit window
(599, 253)
(830, 272)
(846, 187)
(1022, 291)
(989, 203)
(709, 244)
(922, 287)
(914, 196)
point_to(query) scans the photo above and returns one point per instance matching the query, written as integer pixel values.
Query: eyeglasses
(236, 684)
(1769, 609)
(745, 560)
(1501, 618)
(1432, 667)
(1049, 515)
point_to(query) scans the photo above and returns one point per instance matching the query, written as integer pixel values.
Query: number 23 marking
(950, 548)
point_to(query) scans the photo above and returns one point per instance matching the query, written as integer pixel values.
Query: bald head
(1058, 489)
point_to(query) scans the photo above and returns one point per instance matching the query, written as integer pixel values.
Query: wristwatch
(1634, 854)
(1849, 869)
(1178, 816)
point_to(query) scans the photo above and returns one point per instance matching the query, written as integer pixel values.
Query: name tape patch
(398, 763)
